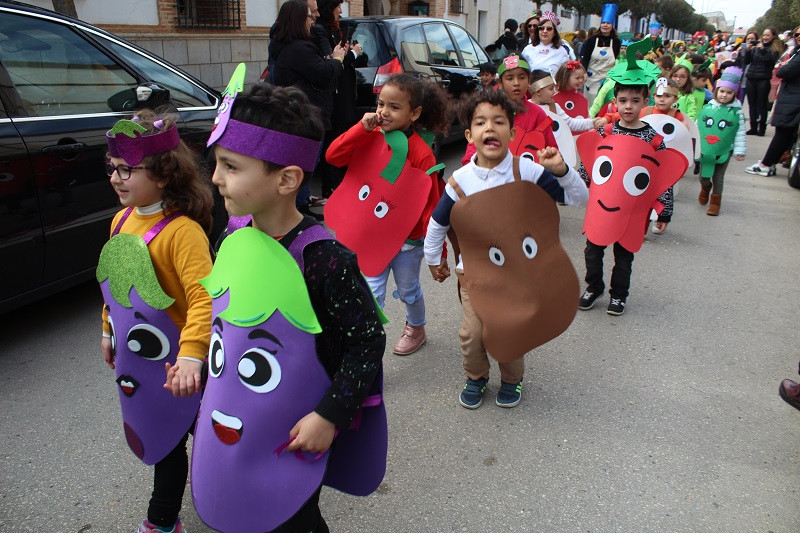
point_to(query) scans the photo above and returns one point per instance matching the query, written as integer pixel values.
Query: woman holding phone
(760, 57)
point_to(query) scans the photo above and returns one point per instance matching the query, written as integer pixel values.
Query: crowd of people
(279, 325)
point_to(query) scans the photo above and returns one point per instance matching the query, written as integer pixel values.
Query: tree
(783, 15)
(67, 7)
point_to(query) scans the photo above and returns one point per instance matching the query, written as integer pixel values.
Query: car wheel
(794, 168)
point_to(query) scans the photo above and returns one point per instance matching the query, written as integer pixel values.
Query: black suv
(63, 84)
(436, 49)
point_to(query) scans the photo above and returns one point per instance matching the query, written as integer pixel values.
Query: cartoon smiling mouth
(227, 428)
(127, 385)
(609, 209)
(712, 139)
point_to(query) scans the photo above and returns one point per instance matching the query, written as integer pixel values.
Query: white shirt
(546, 57)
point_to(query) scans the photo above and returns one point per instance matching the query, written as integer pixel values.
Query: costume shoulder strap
(515, 169)
(160, 225)
(456, 187)
(122, 220)
(315, 233)
(544, 124)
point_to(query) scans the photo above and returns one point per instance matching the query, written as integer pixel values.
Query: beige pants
(476, 362)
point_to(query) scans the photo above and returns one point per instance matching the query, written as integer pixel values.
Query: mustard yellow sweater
(181, 257)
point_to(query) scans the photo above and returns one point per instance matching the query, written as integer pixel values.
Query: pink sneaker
(412, 339)
(147, 527)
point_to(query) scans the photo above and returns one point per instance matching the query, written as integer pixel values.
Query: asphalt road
(664, 419)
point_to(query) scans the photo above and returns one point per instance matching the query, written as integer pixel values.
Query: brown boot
(713, 208)
(703, 198)
(412, 339)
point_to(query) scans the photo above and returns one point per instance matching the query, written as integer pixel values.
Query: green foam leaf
(236, 83)
(398, 143)
(261, 276)
(127, 127)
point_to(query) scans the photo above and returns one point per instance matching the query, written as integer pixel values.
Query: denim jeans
(405, 267)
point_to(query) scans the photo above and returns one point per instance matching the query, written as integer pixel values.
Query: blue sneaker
(472, 395)
(509, 394)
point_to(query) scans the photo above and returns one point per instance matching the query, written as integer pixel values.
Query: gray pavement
(664, 419)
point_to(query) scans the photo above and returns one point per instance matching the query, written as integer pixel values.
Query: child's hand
(108, 352)
(314, 434)
(599, 122)
(739, 157)
(370, 121)
(661, 226)
(441, 272)
(183, 379)
(550, 158)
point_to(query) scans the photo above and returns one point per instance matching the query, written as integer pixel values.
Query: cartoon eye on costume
(636, 180)
(113, 335)
(529, 247)
(496, 256)
(381, 210)
(602, 169)
(668, 131)
(259, 371)
(528, 155)
(709, 121)
(216, 355)
(556, 126)
(149, 342)
(723, 124)
(569, 105)
(363, 192)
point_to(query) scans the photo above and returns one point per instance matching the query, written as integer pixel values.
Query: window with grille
(456, 6)
(209, 14)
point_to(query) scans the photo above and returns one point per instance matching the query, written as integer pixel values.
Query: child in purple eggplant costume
(293, 399)
(156, 315)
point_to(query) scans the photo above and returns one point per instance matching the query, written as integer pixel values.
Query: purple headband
(126, 141)
(269, 145)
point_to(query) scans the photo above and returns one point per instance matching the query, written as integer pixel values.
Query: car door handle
(64, 149)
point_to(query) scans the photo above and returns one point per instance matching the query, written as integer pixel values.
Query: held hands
(599, 122)
(441, 272)
(312, 434)
(370, 121)
(183, 379)
(108, 352)
(550, 158)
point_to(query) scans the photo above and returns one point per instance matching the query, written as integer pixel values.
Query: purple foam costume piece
(134, 149)
(154, 420)
(269, 145)
(238, 482)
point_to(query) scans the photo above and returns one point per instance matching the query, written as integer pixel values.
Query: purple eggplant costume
(143, 337)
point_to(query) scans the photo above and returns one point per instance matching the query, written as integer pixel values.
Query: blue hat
(655, 28)
(609, 13)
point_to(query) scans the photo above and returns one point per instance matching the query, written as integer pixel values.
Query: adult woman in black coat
(299, 62)
(326, 34)
(760, 59)
(786, 115)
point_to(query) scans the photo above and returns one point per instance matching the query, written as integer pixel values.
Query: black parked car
(436, 49)
(63, 84)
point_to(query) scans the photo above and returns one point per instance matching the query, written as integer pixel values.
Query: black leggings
(169, 482)
(620, 274)
(782, 141)
(758, 100)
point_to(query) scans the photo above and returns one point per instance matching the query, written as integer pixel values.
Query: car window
(56, 71)
(374, 50)
(464, 44)
(482, 57)
(414, 45)
(182, 92)
(440, 45)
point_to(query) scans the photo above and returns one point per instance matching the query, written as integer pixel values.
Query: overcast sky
(745, 11)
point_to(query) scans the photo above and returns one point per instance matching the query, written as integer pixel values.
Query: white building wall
(262, 12)
(144, 12)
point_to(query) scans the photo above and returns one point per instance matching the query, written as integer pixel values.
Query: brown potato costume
(519, 278)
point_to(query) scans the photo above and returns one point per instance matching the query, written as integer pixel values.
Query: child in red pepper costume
(534, 127)
(382, 208)
(630, 172)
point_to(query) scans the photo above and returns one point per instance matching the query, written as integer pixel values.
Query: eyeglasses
(123, 171)
(546, 28)
(797, 34)
(531, 25)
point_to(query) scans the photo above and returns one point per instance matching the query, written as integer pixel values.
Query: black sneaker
(588, 299)
(616, 306)
(471, 395)
(509, 394)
